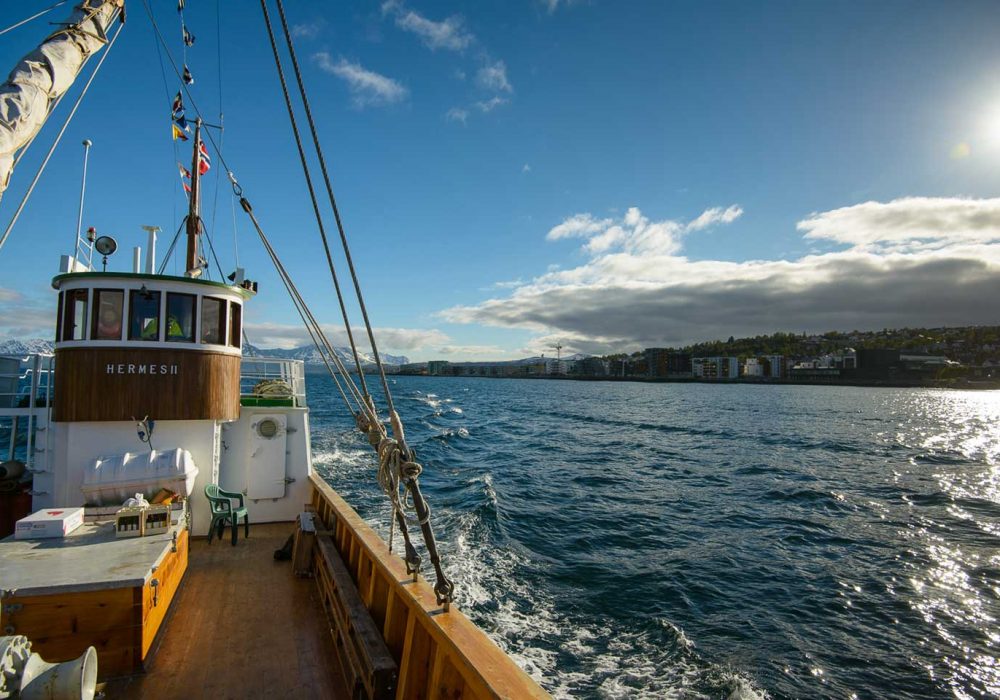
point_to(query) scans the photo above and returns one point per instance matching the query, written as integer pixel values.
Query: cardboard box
(51, 522)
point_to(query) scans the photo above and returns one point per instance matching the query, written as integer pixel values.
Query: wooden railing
(439, 654)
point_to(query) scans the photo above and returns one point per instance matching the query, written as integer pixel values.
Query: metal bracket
(12, 608)
(155, 585)
(173, 542)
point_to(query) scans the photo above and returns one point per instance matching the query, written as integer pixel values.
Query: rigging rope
(185, 87)
(340, 225)
(238, 191)
(311, 325)
(34, 16)
(55, 143)
(397, 463)
(312, 196)
(170, 250)
(396, 457)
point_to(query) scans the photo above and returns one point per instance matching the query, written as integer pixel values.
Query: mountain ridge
(306, 353)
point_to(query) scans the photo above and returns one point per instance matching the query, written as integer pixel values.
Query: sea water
(707, 541)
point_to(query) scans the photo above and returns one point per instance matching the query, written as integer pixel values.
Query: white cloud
(27, 316)
(447, 34)
(491, 104)
(392, 340)
(552, 5)
(635, 234)
(456, 114)
(367, 87)
(308, 30)
(577, 226)
(526, 168)
(715, 215)
(908, 222)
(488, 351)
(493, 76)
(638, 291)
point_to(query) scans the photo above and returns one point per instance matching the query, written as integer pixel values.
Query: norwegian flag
(204, 162)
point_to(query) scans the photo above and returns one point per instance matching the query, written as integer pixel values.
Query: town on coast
(965, 357)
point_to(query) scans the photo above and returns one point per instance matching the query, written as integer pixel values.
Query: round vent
(267, 428)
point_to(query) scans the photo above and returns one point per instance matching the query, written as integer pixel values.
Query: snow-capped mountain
(21, 348)
(306, 353)
(310, 355)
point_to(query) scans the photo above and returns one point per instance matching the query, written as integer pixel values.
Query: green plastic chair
(223, 512)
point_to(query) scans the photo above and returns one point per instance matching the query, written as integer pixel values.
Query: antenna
(79, 245)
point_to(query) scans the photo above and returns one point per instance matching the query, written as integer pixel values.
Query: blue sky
(608, 175)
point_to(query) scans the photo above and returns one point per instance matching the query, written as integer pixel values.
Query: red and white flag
(204, 162)
(185, 176)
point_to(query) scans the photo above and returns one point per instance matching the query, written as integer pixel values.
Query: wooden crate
(121, 623)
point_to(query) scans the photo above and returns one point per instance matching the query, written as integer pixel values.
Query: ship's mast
(193, 263)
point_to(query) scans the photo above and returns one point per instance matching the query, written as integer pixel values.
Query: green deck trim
(245, 293)
(258, 401)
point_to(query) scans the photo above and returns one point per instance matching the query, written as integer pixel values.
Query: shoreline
(986, 385)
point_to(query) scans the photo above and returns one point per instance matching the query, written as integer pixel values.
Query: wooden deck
(242, 627)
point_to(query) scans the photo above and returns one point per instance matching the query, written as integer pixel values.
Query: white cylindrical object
(151, 249)
(112, 479)
(137, 260)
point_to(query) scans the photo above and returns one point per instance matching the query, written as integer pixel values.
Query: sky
(514, 175)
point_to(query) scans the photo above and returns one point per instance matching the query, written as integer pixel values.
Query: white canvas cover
(43, 75)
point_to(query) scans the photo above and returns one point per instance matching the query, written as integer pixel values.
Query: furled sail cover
(47, 72)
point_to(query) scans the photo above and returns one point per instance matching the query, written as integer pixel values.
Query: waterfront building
(773, 366)
(590, 367)
(662, 363)
(437, 368)
(715, 367)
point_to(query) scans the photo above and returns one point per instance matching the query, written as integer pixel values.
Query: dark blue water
(673, 540)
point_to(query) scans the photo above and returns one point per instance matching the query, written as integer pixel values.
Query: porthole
(267, 428)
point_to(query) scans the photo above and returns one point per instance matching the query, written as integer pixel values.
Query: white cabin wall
(237, 444)
(77, 445)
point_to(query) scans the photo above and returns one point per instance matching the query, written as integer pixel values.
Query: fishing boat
(149, 424)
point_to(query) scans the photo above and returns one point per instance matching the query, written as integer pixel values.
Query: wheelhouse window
(59, 312)
(213, 321)
(107, 323)
(180, 317)
(235, 327)
(143, 315)
(75, 315)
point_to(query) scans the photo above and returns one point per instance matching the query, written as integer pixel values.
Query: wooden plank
(485, 669)
(244, 627)
(170, 574)
(378, 599)
(363, 642)
(116, 383)
(302, 547)
(418, 653)
(71, 613)
(62, 626)
(117, 652)
(446, 680)
(397, 619)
